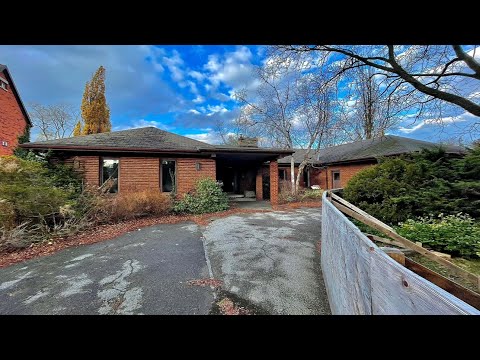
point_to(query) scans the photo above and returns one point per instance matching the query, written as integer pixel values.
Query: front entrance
(236, 179)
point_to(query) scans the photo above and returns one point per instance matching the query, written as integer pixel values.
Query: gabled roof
(147, 139)
(371, 149)
(4, 69)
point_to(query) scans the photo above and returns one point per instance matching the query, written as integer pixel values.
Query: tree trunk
(292, 174)
(299, 174)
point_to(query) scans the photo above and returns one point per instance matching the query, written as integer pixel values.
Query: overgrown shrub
(30, 191)
(409, 186)
(311, 194)
(455, 234)
(108, 208)
(285, 194)
(207, 197)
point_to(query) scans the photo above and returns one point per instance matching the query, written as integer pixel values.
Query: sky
(182, 89)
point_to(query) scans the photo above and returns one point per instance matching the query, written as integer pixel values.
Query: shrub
(207, 197)
(114, 208)
(409, 186)
(311, 194)
(31, 192)
(456, 234)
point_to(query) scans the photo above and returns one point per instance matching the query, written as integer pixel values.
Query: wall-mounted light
(198, 165)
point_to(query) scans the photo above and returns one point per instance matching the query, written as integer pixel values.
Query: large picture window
(168, 175)
(109, 175)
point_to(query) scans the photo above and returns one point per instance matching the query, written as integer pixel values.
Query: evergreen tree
(95, 111)
(23, 138)
(78, 129)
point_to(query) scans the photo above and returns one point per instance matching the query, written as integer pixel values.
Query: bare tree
(54, 121)
(368, 109)
(427, 77)
(291, 108)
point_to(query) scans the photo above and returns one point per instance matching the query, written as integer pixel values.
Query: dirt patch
(228, 303)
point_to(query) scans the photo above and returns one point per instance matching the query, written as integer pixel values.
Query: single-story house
(150, 158)
(333, 167)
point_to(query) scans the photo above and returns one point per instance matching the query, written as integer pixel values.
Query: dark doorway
(227, 176)
(266, 187)
(336, 184)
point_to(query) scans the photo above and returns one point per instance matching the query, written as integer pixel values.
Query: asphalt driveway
(142, 272)
(270, 259)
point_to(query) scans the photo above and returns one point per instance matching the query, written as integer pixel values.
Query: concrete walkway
(270, 259)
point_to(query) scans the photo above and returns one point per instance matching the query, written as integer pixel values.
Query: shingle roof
(298, 156)
(372, 149)
(148, 138)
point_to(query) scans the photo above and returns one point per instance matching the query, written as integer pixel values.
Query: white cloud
(437, 122)
(196, 75)
(199, 99)
(208, 137)
(234, 69)
(190, 84)
(174, 64)
(216, 109)
(144, 123)
(193, 111)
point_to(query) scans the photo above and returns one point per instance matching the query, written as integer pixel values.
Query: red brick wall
(138, 173)
(274, 182)
(287, 170)
(187, 174)
(12, 120)
(319, 177)
(259, 184)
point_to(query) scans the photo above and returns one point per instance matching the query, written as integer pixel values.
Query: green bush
(455, 234)
(409, 186)
(33, 194)
(207, 197)
(311, 194)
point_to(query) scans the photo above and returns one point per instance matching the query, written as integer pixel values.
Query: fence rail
(361, 279)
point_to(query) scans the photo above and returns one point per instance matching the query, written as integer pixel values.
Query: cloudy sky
(183, 89)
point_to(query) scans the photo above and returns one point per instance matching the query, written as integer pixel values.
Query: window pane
(168, 175)
(336, 176)
(110, 174)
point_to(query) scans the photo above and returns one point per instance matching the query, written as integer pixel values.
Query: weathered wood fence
(361, 279)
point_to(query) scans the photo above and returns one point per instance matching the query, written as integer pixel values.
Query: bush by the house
(409, 186)
(285, 193)
(126, 206)
(455, 234)
(207, 197)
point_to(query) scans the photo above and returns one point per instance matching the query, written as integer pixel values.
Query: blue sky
(183, 89)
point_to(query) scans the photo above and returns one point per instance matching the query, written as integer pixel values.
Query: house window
(282, 174)
(168, 175)
(4, 84)
(4, 143)
(109, 174)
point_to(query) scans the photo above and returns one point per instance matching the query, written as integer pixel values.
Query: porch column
(259, 184)
(274, 182)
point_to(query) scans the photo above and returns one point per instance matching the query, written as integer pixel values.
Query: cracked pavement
(266, 258)
(141, 272)
(270, 259)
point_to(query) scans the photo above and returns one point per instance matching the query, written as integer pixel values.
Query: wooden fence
(361, 279)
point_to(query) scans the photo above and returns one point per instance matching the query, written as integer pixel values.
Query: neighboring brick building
(333, 167)
(13, 116)
(150, 158)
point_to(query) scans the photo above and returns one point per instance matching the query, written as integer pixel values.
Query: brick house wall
(143, 173)
(347, 171)
(274, 182)
(12, 120)
(187, 174)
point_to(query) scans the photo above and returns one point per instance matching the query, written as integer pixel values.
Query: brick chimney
(244, 141)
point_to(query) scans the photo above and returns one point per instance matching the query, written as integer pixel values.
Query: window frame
(3, 84)
(333, 177)
(175, 186)
(102, 158)
(284, 171)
